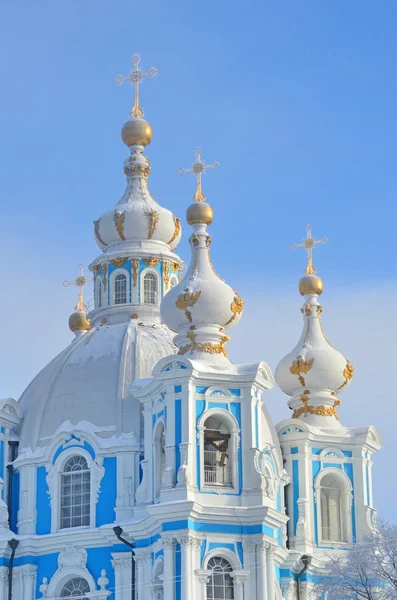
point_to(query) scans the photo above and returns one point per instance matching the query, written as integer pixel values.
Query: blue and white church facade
(142, 464)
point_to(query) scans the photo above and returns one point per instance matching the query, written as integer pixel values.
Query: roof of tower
(314, 372)
(202, 307)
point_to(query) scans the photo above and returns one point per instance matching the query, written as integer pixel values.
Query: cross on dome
(80, 282)
(309, 243)
(198, 168)
(135, 77)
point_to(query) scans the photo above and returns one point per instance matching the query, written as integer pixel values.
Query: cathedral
(141, 463)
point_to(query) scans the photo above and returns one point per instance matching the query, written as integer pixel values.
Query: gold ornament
(97, 234)
(119, 220)
(175, 267)
(186, 300)
(118, 262)
(134, 316)
(152, 261)
(104, 321)
(78, 322)
(207, 347)
(301, 366)
(236, 307)
(308, 310)
(166, 272)
(104, 275)
(324, 411)
(177, 228)
(135, 265)
(152, 217)
(347, 374)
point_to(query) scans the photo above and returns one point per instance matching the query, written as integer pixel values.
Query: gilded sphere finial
(78, 322)
(136, 132)
(199, 212)
(310, 284)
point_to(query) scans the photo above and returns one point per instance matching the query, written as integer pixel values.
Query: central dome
(90, 381)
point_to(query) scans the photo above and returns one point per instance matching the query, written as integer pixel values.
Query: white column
(261, 570)
(122, 569)
(195, 544)
(250, 567)
(29, 581)
(147, 575)
(27, 514)
(270, 571)
(125, 486)
(3, 583)
(169, 568)
(186, 571)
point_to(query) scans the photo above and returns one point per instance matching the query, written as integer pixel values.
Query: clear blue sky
(297, 100)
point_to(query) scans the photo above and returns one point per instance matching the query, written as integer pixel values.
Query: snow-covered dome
(90, 380)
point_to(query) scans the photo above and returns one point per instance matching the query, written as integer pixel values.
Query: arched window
(150, 288)
(334, 503)
(159, 456)
(220, 584)
(75, 587)
(120, 289)
(217, 458)
(75, 493)
(99, 293)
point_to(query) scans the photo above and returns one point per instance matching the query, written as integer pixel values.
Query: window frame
(158, 476)
(142, 287)
(54, 483)
(63, 496)
(346, 499)
(114, 274)
(233, 449)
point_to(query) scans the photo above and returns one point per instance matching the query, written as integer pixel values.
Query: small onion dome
(202, 298)
(313, 365)
(310, 284)
(136, 132)
(199, 212)
(78, 322)
(137, 216)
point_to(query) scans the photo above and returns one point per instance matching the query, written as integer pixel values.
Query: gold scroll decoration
(152, 217)
(207, 347)
(177, 228)
(97, 234)
(186, 300)
(166, 272)
(236, 307)
(347, 374)
(152, 261)
(104, 275)
(119, 220)
(299, 366)
(135, 265)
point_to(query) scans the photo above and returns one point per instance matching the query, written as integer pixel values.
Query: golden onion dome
(199, 212)
(78, 322)
(136, 132)
(310, 284)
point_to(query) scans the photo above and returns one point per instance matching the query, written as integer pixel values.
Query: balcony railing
(216, 468)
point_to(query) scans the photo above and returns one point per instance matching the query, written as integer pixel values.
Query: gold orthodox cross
(198, 168)
(135, 77)
(309, 243)
(80, 281)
